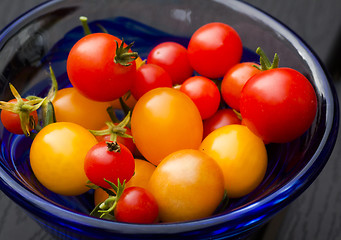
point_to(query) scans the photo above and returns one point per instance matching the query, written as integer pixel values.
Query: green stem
(84, 21)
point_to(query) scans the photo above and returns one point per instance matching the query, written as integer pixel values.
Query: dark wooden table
(316, 214)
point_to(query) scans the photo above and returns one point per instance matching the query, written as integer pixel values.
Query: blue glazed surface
(292, 166)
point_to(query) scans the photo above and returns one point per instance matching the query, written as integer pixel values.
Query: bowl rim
(295, 186)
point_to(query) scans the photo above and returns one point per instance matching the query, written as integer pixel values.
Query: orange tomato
(165, 120)
(71, 106)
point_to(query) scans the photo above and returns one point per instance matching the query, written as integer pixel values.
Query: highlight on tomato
(241, 155)
(165, 120)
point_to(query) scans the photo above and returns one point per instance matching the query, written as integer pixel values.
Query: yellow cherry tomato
(163, 121)
(143, 171)
(187, 185)
(241, 155)
(57, 157)
(71, 106)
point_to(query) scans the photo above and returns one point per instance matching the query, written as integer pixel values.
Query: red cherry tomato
(101, 163)
(172, 57)
(204, 93)
(93, 69)
(214, 48)
(11, 121)
(128, 142)
(148, 77)
(221, 118)
(278, 105)
(136, 205)
(234, 81)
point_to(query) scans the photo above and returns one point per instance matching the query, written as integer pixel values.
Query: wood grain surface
(316, 214)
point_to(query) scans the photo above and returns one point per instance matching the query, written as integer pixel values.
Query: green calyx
(124, 56)
(265, 63)
(33, 103)
(23, 109)
(114, 130)
(105, 210)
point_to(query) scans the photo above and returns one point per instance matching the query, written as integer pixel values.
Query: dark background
(316, 214)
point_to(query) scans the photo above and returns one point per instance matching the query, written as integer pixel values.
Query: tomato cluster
(196, 121)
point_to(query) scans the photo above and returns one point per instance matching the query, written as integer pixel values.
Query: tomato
(128, 142)
(57, 157)
(136, 205)
(221, 118)
(234, 81)
(214, 48)
(165, 120)
(172, 57)
(241, 155)
(143, 171)
(278, 105)
(109, 161)
(204, 93)
(148, 77)
(71, 106)
(98, 70)
(187, 185)
(11, 120)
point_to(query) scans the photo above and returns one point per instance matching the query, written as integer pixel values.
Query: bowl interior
(46, 34)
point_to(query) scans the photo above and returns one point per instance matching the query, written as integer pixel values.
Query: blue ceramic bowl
(46, 34)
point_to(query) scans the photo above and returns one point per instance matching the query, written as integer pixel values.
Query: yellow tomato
(143, 171)
(71, 106)
(187, 185)
(241, 155)
(165, 120)
(57, 157)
